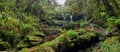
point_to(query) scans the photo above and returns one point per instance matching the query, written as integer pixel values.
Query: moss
(81, 31)
(54, 43)
(111, 44)
(102, 38)
(61, 38)
(25, 50)
(22, 45)
(34, 38)
(112, 40)
(66, 38)
(46, 49)
(88, 36)
(83, 24)
(72, 34)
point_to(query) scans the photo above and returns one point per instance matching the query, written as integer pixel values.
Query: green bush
(72, 34)
(14, 30)
(111, 44)
(81, 31)
(25, 50)
(83, 24)
(113, 22)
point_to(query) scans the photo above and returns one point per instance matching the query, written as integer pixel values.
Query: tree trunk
(17, 3)
(109, 8)
(29, 5)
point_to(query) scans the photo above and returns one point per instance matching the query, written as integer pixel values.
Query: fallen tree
(64, 41)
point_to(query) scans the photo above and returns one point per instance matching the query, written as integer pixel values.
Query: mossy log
(63, 39)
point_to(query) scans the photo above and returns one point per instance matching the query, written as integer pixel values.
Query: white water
(71, 18)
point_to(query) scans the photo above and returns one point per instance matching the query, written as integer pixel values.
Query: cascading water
(71, 18)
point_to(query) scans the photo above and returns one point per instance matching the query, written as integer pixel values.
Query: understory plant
(14, 29)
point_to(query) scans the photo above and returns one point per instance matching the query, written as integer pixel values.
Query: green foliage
(113, 22)
(25, 50)
(88, 36)
(81, 31)
(84, 23)
(72, 34)
(13, 29)
(111, 45)
(45, 49)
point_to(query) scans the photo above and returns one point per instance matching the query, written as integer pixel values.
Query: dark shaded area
(83, 45)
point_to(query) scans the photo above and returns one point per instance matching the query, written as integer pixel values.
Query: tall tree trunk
(17, 3)
(48, 2)
(115, 4)
(29, 5)
(109, 8)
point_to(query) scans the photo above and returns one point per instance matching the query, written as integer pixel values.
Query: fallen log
(102, 31)
(63, 39)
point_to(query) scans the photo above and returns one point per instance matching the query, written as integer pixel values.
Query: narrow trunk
(109, 8)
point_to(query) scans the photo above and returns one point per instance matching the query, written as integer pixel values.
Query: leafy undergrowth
(15, 29)
(111, 44)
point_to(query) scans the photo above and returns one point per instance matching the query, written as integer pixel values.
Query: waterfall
(64, 18)
(71, 18)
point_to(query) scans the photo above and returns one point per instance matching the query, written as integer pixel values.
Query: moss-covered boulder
(34, 40)
(66, 40)
(25, 50)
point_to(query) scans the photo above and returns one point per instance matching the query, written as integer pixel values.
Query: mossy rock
(46, 49)
(22, 45)
(34, 40)
(71, 35)
(64, 38)
(88, 36)
(42, 35)
(81, 31)
(24, 50)
(54, 43)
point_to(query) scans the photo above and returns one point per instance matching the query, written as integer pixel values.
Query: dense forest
(48, 26)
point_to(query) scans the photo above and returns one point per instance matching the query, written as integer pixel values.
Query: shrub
(14, 30)
(113, 22)
(83, 24)
(72, 34)
(81, 31)
(111, 44)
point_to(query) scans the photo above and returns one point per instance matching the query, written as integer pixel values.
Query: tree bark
(109, 8)
(29, 5)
